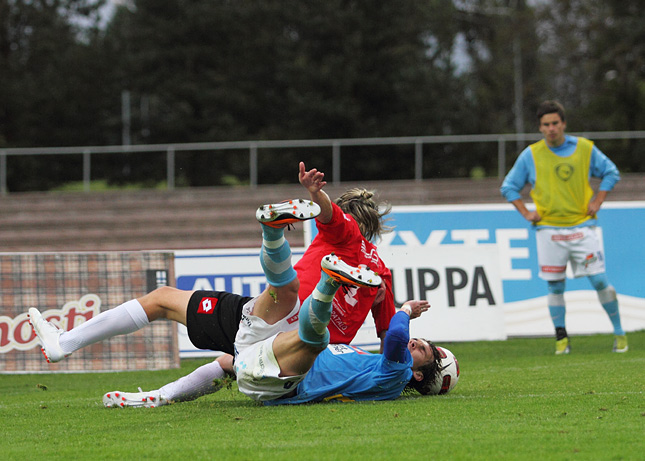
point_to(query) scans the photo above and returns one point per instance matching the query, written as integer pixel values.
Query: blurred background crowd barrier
(71, 288)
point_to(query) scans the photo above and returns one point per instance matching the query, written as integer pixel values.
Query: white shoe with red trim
(48, 334)
(120, 399)
(287, 212)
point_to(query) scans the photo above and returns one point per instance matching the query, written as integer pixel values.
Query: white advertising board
(477, 266)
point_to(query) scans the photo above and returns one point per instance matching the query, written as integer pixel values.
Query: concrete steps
(218, 217)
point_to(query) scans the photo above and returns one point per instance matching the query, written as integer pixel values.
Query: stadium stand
(217, 217)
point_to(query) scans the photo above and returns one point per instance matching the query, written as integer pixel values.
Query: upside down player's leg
(281, 295)
(296, 354)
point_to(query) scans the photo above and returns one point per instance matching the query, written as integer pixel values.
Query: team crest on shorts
(207, 305)
(590, 259)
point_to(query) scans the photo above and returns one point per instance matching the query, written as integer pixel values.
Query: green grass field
(515, 400)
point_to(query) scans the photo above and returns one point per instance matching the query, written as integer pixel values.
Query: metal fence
(253, 147)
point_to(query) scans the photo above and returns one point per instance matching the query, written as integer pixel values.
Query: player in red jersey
(347, 227)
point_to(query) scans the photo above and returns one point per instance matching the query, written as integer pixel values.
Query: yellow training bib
(562, 192)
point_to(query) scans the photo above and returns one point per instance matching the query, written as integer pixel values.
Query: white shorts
(580, 246)
(258, 372)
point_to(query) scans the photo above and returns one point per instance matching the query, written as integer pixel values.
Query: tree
(223, 70)
(595, 53)
(49, 82)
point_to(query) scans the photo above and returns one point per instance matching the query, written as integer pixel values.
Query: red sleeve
(385, 310)
(341, 228)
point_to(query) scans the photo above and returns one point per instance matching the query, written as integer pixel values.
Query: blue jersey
(523, 171)
(348, 373)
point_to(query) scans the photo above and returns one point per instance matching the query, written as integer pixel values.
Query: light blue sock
(316, 313)
(555, 300)
(275, 257)
(558, 314)
(609, 302)
(608, 299)
(614, 316)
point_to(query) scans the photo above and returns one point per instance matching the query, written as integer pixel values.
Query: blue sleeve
(395, 347)
(522, 172)
(603, 168)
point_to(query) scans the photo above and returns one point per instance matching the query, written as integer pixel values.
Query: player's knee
(607, 295)
(556, 287)
(599, 281)
(293, 286)
(285, 294)
(154, 303)
(226, 362)
(312, 339)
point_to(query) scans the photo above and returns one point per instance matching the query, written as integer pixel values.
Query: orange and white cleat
(287, 212)
(345, 274)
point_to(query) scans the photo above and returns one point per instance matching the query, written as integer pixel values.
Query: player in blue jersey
(558, 169)
(346, 373)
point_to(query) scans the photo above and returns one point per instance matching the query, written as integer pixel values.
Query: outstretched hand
(312, 180)
(415, 308)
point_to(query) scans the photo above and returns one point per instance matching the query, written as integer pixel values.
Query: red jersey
(342, 236)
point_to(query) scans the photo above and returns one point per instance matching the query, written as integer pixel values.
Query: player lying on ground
(273, 310)
(348, 225)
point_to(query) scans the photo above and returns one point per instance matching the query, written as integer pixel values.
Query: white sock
(196, 384)
(126, 318)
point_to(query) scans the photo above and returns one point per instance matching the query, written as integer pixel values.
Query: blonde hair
(360, 204)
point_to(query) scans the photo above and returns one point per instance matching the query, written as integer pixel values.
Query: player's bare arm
(596, 203)
(314, 181)
(531, 216)
(380, 297)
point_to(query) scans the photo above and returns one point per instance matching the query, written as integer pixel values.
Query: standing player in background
(558, 168)
(349, 228)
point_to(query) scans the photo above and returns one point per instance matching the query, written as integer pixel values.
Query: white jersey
(258, 372)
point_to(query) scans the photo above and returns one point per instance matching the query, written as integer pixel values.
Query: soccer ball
(449, 375)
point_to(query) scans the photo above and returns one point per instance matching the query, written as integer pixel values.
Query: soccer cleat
(345, 274)
(620, 344)
(287, 212)
(118, 399)
(49, 335)
(562, 346)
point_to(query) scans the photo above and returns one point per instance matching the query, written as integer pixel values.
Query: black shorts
(213, 318)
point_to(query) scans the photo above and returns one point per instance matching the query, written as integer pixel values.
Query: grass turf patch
(515, 400)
